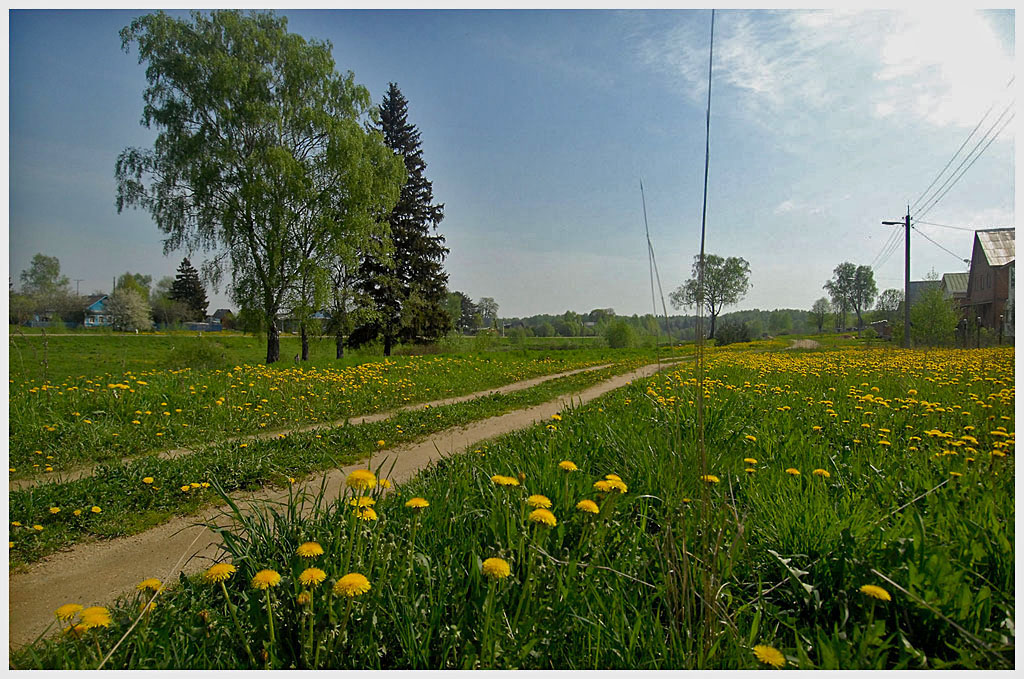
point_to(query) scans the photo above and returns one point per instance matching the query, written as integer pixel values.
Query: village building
(989, 298)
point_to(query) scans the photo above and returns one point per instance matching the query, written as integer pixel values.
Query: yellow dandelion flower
(219, 572)
(55, 510)
(710, 478)
(95, 616)
(617, 485)
(543, 516)
(147, 608)
(568, 466)
(150, 584)
(185, 489)
(385, 483)
(538, 501)
(496, 568)
(308, 550)
(875, 592)
(500, 480)
(417, 503)
(821, 472)
(303, 598)
(750, 460)
(750, 470)
(381, 442)
(37, 527)
(147, 480)
(311, 577)
(362, 501)
(602, 486)
(770, 656)
(95, 510)
(750, 438)
(266, 579)
(792, 471)
(352, 585)
(588, 506)
(361, 479)
(365, 513)
(67, 611)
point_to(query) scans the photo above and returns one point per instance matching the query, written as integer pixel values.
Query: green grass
(129, 506)
(674, 573)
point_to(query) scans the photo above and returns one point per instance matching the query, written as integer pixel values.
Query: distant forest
(572, 324)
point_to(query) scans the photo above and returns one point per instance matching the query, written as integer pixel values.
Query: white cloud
(941, 66)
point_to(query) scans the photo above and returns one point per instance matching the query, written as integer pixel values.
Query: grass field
(856, 511)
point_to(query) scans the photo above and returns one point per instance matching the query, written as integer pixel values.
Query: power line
(885, 247)
(945, 226)
(961, 147)
(958, 257)
(937, 197)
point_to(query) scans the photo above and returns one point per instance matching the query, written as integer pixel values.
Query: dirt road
(97, 573)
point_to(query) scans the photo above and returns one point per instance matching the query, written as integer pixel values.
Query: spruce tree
(188, 289)
(409, 288)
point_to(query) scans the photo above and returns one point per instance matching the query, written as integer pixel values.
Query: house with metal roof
(96, 314)
(954, 286)
(989, 298)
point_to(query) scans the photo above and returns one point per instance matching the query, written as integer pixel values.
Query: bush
(868, 334)
(196, 353)
(620, 335)
(730, 332)
(485, 340)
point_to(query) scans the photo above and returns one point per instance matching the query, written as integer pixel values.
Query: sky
(538, 126)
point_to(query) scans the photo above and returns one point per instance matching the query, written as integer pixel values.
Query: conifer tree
(409, 287)
(188, 289)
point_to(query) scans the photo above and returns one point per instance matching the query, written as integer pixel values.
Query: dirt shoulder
(97, 573)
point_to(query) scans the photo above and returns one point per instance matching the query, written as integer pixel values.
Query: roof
(998, 245)
(956, 283)
(93, 299)
(918, 287)
(219, 313)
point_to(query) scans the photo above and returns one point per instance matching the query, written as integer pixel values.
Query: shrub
(619, 335)
(730, 332)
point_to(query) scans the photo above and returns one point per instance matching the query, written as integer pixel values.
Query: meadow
(852, 509)
(80, 415)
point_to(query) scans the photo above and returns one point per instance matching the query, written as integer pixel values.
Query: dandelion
(538, 501)
(792, 471)
(417, 503)
(875, 592)
(361, 479)
(543, 516)
(770, 656)
(381, 442)
(821, 472)
(500, 480)
(95, 510)
(37, 528)
(303, 599)
(219, 572)
(147, 608)
(67, 612)
(385, 483)
(588, 506)
(567, 466)
(709, 478)
(352, 585)
(309, 550)
(617, 485)
(496, 569)
(750, 438)
(148, 480)
(362, 501)
(77, 512)
(602, 486)
(750, 470)
(185, 489)
(311, 577)
(95, 616)
(365, 513)
(55, 510)
(750, 460)
(149, 583)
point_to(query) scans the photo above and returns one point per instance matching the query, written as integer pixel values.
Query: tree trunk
(273, 342)
(387, 345)
(339, 346)
(711, 335)
(305, 341)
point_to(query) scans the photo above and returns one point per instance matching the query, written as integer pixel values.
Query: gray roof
(998, 245)
(955, 283)
(918, 287)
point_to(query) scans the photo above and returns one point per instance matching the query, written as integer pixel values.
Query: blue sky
(537, 127)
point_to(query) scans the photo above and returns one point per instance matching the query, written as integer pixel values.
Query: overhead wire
(945, 226)
(940, 245)
(954, 177)
(950, 162)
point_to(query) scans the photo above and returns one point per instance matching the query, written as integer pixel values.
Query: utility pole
(77, 291)
(906, 278)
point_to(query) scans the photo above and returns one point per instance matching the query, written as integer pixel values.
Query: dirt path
(75, 473)
(97, 573)
(804, 344)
